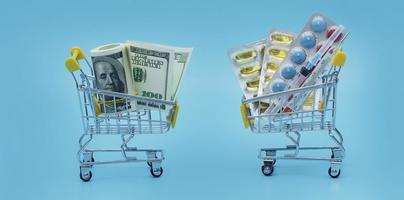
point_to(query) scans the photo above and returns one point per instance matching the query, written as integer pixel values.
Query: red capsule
(319, 47)
(331, 30)
(330, 49)
(287, 109)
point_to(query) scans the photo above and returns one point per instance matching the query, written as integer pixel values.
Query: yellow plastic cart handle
(174, 116)
(71, 62)
(339, 58)
(244, 115)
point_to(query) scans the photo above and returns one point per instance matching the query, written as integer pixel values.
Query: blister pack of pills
(276, 49)
(309, 54)
(246, 62)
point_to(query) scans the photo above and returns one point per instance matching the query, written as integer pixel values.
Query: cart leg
(337, 154)
(271, 156)
(338, 139)
(151, 155)
(83, 143)
(85, 166)
(124, 145)
(296, 141)
(88, 156)
(85, 157)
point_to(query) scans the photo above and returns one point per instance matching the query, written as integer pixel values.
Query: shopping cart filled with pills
(301, 114)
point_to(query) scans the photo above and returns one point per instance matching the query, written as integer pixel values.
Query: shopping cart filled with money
(111, 113)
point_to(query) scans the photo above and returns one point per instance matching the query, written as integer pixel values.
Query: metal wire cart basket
(317, 118)
(126, 123)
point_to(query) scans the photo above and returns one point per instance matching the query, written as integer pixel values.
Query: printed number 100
(152, 95)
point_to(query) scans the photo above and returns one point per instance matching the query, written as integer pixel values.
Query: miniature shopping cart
(111, 113)
(292, 122)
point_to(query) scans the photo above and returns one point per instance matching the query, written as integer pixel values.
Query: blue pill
(308, 40)
(318, 24)
(288, 72)
(278, 85)
(298, 55)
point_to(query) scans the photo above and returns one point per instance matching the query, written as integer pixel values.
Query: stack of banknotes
(141, 69)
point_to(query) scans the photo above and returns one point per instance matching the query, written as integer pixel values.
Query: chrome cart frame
(111, 113)
(294, 122)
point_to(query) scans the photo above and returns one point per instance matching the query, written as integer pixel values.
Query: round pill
(331, 30)
(298, 55)
(278, 85)
(318, 24)
(308, 40)
(288, 72)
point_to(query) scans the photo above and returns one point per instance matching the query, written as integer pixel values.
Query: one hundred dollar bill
(176, 69)
(150, 71)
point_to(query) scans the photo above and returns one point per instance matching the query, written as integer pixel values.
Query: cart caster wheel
(334, 173)
(267, 170)
(156, 172)
(86, 177)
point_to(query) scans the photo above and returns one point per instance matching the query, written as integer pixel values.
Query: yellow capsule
(252, 85)
(249, 70)
(245, 56)
(272, 66)
(268, 78)
(309, 101)
(282, 38)
(278, 53)
(263, 105)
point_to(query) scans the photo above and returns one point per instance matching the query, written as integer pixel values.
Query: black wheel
(334, 173)
(156, 172)
(267, 170)
(87, 177)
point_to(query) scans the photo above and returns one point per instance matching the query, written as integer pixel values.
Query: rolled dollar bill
(110, 64)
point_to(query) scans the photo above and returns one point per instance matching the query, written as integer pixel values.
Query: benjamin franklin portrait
(110, 76)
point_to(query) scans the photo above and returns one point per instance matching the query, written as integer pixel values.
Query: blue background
(209, 154)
